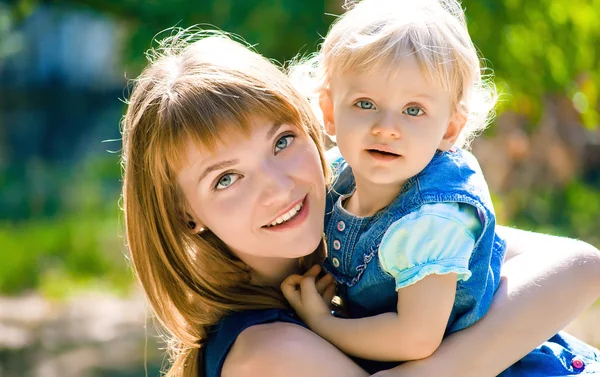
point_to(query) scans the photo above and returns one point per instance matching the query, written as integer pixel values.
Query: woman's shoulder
(284, 348)
(243, 334)
(259, 349)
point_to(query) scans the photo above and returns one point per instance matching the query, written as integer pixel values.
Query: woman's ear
(455, 127)
(195, 227)
(326, 106)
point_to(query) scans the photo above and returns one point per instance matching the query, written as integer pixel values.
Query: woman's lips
(294, 222)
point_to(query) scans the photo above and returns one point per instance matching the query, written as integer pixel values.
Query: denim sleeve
(436, 239)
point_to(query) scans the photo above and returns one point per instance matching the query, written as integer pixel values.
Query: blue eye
(365, 105)
(226, 181)
(284, 142)
(413, 111)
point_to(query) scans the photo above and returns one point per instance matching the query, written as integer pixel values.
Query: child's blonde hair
(374, 34)
(198, 86)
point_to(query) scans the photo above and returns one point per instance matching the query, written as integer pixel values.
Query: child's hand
(309, 298)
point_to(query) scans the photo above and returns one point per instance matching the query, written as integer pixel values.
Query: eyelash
(356, 104)
(421, 111)
(216, 187)
(285, 136)
(281, 137)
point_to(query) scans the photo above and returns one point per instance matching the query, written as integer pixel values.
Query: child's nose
(387, 126)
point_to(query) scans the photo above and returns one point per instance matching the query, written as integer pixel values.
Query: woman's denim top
(353, 242)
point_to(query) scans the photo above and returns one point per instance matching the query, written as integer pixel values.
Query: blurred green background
(64, 66)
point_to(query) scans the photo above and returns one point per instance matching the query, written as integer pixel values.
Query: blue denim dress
(353, 242)
(561, 355)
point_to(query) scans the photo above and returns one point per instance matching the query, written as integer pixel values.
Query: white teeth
(287, 216)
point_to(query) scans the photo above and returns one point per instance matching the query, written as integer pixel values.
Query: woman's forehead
(228, 139)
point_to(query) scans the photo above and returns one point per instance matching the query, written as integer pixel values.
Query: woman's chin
(308, 247)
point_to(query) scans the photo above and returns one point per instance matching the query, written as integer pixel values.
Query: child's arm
(413, 333)
(547, 282)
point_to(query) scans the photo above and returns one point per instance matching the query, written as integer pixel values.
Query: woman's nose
(277, 183)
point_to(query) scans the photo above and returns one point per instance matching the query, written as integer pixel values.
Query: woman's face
(263, 195)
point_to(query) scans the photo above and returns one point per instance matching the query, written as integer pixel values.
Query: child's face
(388, 126)
(273, 175)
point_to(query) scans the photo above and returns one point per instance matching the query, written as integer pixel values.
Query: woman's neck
(271, 271)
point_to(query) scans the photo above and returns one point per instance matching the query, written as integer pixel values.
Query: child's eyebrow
(423, 95)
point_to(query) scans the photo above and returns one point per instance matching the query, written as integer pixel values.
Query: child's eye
(284, 142)
(413, 111)
(226, 181)
(365, 105)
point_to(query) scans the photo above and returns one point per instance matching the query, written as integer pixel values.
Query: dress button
(341, 226)
(336, 262)
(577, 363)
(337, 245)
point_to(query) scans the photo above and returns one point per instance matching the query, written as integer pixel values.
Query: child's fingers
(329, 293)
(308, 289)
(289, 288)
(313, 271)
(323, 283)
(292, 280)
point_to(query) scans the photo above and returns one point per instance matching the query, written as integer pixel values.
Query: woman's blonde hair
(374, 35)
(198, 86)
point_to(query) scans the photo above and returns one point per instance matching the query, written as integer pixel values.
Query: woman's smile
(292, 218)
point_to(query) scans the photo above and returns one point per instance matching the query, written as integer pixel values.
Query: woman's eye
(284, 142)
(226, 181)
(413, 111)
(365, 105)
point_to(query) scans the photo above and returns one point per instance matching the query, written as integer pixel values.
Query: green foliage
(63, 255)
(279, 28)
(534, 48)
(541, 47)
(79, 247)
(572, 212)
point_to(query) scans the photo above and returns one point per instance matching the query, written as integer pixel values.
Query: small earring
(191, 224)
(201, 230)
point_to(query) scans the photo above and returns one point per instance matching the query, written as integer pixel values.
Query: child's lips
(383, 153)
(383, 156)
(383, 150)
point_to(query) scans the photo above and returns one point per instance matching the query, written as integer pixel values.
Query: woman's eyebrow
(272, 131)
(218, 166)
(227, 163)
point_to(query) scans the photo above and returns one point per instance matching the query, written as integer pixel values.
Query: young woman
(224, 195)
